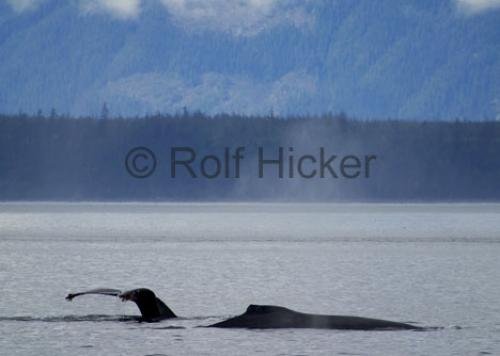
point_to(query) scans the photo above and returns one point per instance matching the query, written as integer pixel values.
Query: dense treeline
(62, 158)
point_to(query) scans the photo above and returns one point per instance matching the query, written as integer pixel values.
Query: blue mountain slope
(412, 59)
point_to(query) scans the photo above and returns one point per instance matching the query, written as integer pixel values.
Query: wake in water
(104, 318)
(74, 318)
(153, 309)
(99, 318)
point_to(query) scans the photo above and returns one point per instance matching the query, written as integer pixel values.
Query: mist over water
(435, 265)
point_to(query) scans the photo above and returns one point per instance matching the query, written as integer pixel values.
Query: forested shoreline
(64, 158)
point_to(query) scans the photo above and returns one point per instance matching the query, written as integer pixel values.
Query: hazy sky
(212, 9)
(244, 17)
(240, 18)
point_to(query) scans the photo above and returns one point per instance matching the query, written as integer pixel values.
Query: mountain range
(414, 59)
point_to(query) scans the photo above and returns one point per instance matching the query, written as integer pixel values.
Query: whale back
(275, 317)
(263, 317)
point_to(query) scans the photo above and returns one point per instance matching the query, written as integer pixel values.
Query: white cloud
(238, 17)
(123, 9)
(477, 6)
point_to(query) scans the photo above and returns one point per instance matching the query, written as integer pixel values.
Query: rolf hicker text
(280, 162)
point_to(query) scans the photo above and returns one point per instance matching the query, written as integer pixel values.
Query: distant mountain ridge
(413, 59)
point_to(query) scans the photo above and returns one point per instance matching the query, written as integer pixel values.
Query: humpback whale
(255, 317)
(276, 317)
(151, 307)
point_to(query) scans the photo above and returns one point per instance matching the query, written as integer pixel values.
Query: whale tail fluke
(152, 308)
(101, 291)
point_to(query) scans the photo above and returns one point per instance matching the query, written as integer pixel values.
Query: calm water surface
(436, 265)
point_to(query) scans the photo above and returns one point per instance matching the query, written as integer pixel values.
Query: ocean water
(434, 265)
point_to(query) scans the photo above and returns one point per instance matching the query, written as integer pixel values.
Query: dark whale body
(256, 316)
(275, 317)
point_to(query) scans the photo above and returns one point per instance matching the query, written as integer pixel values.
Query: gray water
(434, 265)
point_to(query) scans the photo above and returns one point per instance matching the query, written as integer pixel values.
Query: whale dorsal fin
(265, 309)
